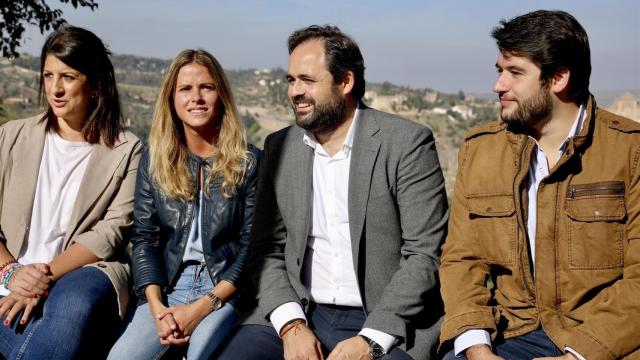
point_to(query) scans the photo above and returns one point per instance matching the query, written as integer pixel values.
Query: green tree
(4, 117)
(18, 13)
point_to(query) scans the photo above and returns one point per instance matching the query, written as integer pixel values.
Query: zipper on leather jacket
(602, 188)
(190, 216)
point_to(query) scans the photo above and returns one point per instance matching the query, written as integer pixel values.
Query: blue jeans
(140, 339)
(78, 319)
(331, 324)
(525, 347)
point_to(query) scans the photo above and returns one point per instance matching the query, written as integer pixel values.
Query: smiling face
(67, 91)
(318, 104)
(195, 98)
(523, 98)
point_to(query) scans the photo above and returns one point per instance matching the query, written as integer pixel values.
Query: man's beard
(530, 111)
(326, 116)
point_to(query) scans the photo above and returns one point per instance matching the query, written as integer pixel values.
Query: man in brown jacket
(543, 253)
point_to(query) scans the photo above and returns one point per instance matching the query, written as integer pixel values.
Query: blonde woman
(192, 215)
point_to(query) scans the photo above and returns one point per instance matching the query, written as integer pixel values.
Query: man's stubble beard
(531, 111)
(326, 117)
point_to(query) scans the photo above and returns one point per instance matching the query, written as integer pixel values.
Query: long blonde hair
(167, 146)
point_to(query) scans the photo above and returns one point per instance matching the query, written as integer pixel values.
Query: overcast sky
(443, 45)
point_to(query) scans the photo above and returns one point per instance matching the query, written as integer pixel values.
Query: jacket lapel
(364, 154)
(301, 188)
(99, 173)
(27, 155)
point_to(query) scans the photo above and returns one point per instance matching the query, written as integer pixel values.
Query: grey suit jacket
(397, 216)
(104, 205)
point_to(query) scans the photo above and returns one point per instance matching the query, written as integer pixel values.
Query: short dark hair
(342, 53)
(553, 40)
(83, 51)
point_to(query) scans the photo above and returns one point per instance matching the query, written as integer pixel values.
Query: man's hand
(566, 356)
(355, 348)
(12, 304)
(300, 343)
(481, 352)
(30, 280)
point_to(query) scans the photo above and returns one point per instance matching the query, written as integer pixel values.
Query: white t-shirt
(62, 167)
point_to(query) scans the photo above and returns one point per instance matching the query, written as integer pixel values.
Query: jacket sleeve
(107, 238)
(611, 326)
(463, 274)
(269, 279)
(247, 196)
(422, 213)
(147, 260)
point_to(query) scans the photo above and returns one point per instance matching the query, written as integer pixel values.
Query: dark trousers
(525, 347)
(78, 320)
(331, 324)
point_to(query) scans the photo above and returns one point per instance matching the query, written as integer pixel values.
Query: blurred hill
(261, 96)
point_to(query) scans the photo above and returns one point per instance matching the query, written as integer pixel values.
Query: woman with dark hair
(192, 217)
(67, 180)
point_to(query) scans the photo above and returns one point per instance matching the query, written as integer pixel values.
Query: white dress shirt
(538, 170)
(328, 269)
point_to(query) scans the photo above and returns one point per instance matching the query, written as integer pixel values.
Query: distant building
(465, 112)
(388, 103)
(628, 106)
(431, 96)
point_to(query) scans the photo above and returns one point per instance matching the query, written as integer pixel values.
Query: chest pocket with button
(596, 226)
(494, 224)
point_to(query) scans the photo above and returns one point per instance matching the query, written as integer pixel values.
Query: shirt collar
(575, 128)
(309, 139)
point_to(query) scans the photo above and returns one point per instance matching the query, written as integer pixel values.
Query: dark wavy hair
(342, 54)
(553, 40)
(83, 51)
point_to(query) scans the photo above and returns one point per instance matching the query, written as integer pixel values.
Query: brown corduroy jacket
(586, 288)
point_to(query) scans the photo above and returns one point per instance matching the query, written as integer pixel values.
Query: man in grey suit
(350, 215)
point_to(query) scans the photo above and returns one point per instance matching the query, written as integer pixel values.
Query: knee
(80, 293)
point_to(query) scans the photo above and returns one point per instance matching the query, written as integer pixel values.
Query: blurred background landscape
(428, 61)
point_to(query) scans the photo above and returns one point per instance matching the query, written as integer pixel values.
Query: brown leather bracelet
(290, 325)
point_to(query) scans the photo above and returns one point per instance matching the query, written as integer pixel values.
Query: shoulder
(16, 126)
(12, 130)
(617, 123)
(254, 156)
(397, 125)
(485, 130)
(280, 135)
(127, 137)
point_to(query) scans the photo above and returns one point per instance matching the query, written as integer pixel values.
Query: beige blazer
(104, 206)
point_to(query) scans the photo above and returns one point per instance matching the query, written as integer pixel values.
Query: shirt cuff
(381, 338)
(285, 313)
(574, 353)
(469, 338)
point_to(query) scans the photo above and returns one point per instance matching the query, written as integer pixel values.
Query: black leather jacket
(161, 228)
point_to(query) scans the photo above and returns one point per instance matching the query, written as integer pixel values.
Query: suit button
(304, 302)
(101, 265)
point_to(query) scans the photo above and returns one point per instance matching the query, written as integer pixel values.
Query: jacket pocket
(493, 218)
(596, 225)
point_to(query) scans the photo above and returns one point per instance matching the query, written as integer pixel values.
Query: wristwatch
(375, 350)
(216, 302)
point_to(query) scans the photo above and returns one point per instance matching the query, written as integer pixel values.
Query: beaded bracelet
(7, 264)
(7, 272)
